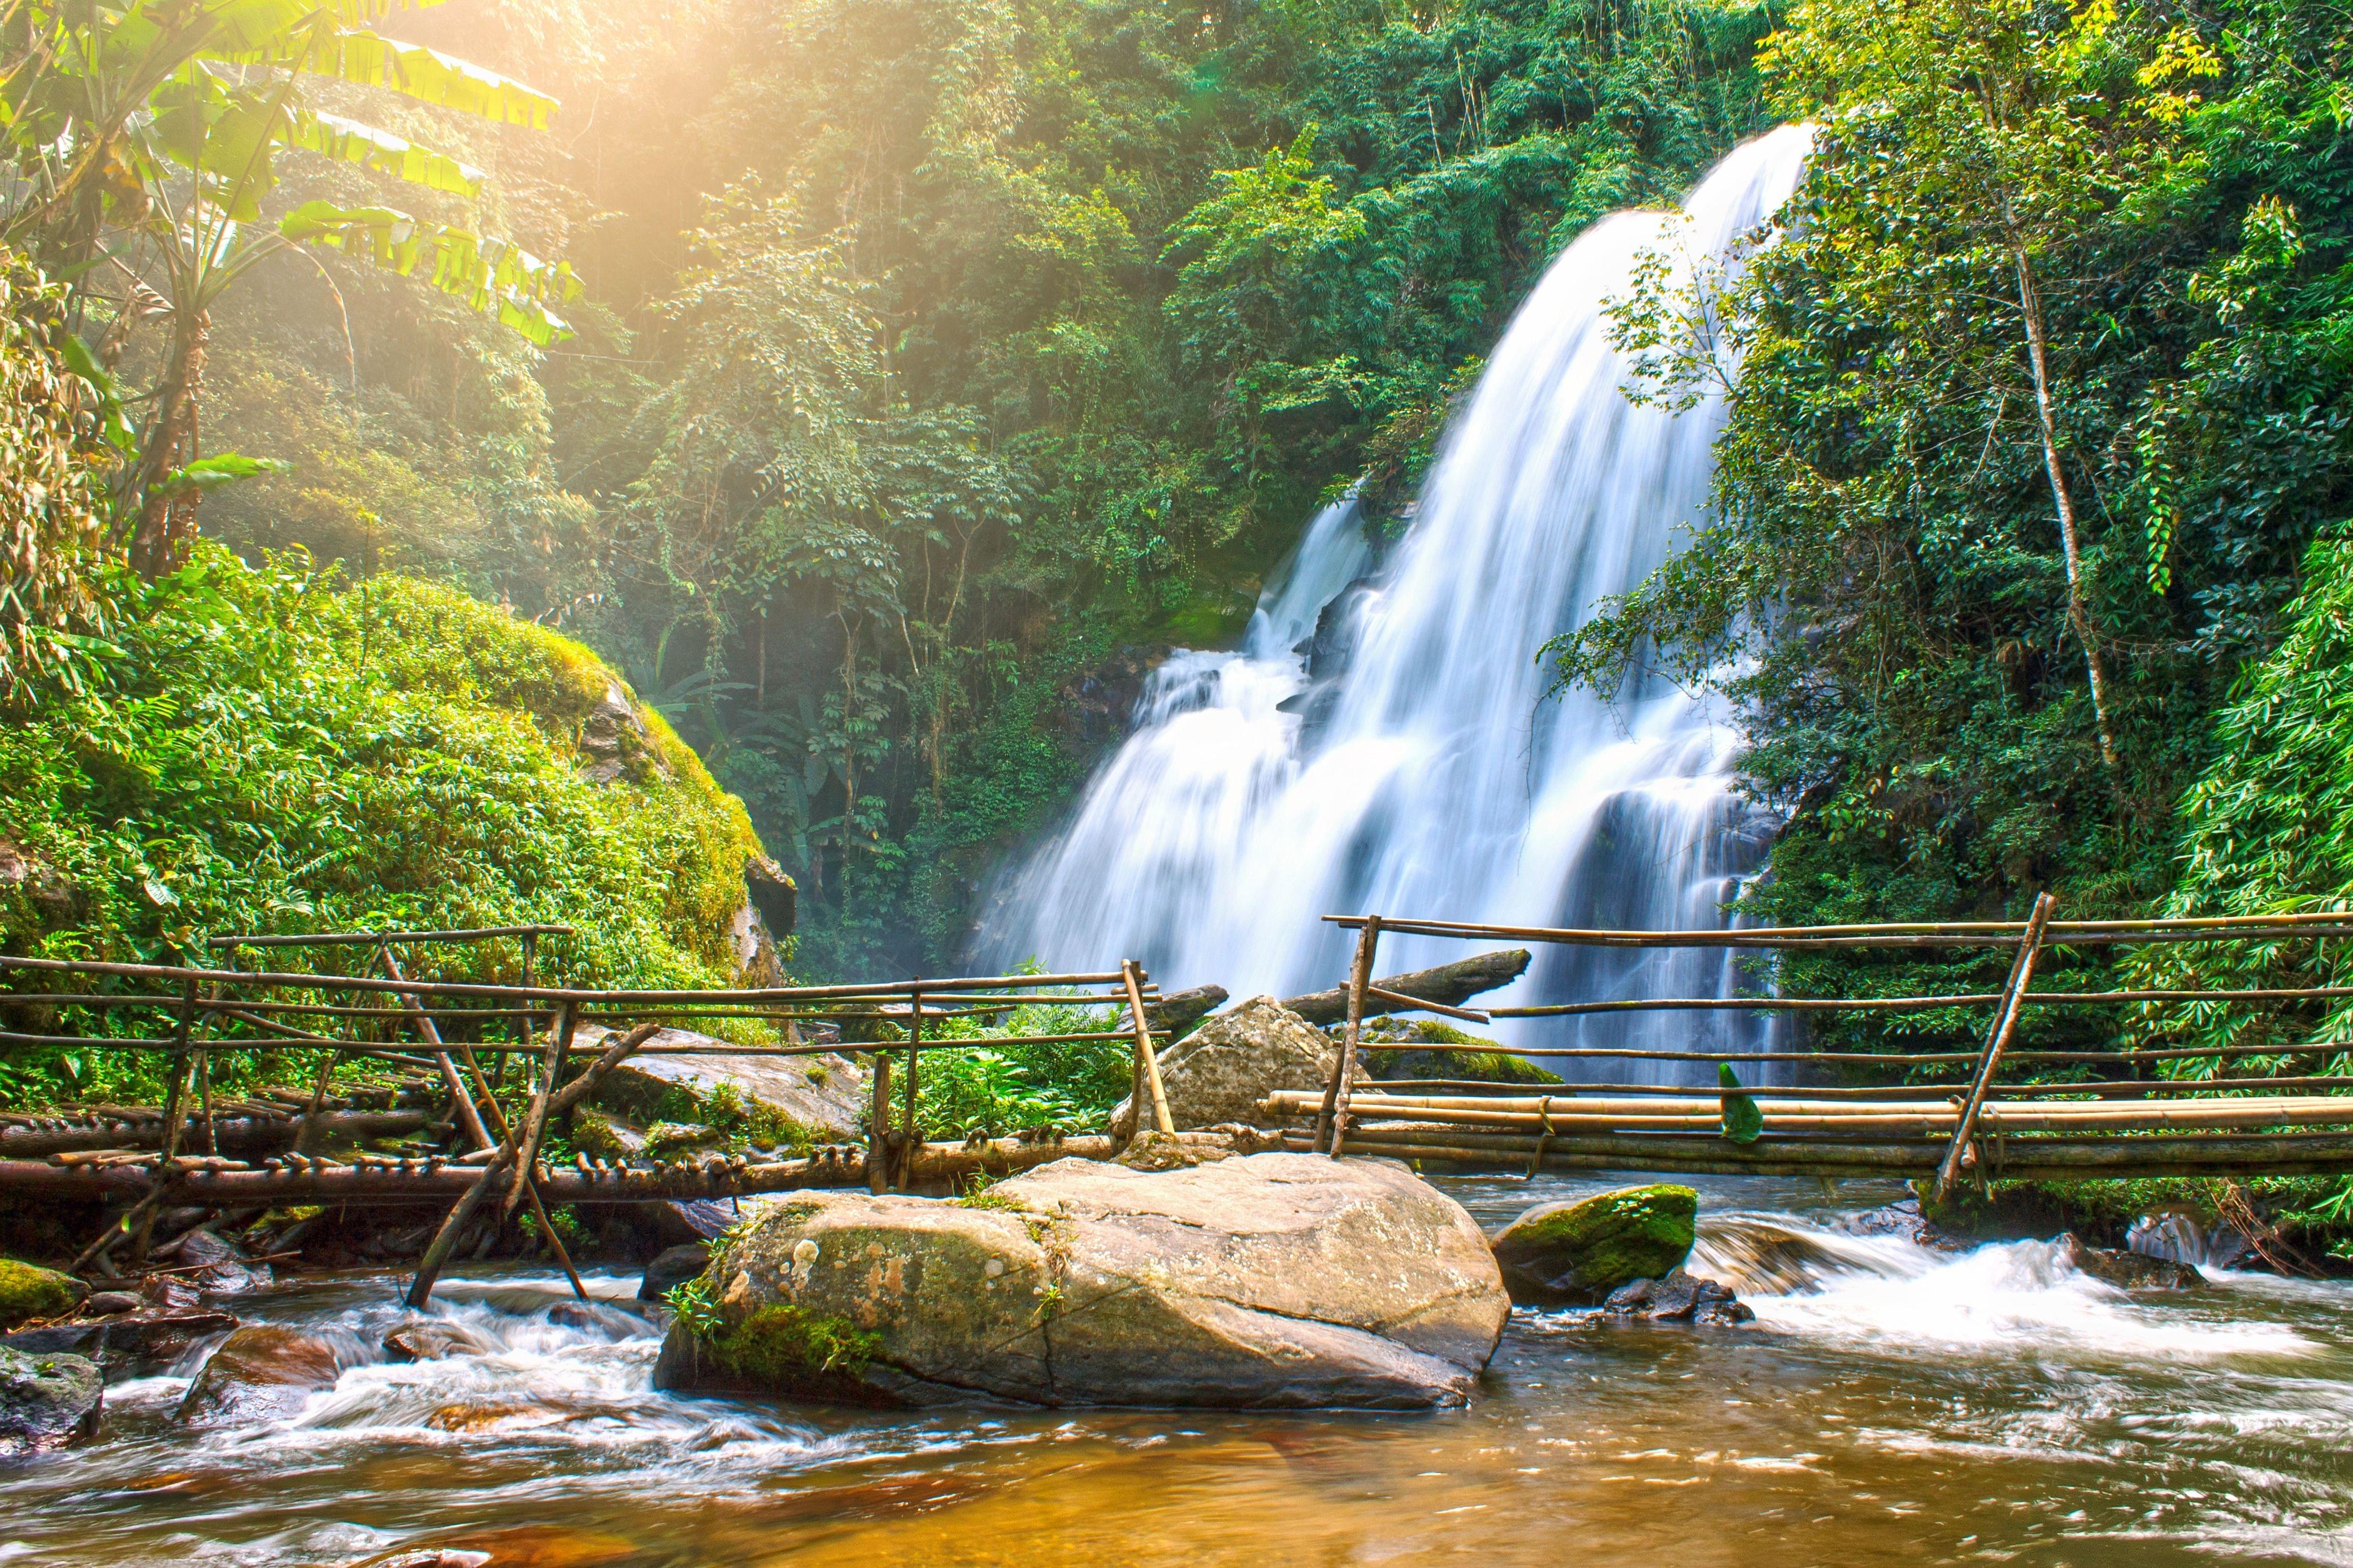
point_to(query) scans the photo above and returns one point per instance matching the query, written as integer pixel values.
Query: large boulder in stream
(1270, 1280)
(1576, 1254)
(264, 1373)
(47, 1401)
(1222, 1070)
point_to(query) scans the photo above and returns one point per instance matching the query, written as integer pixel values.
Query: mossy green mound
(28, 1291)
(273, 749)
(1577, 1252)
(1426, 1048)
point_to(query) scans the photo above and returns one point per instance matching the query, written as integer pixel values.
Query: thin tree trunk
(166, 520)
(2079, 613)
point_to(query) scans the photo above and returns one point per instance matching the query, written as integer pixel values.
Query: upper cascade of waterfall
(1382, 742)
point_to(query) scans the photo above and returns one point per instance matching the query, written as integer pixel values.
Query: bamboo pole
(1924, 933)
(525, 1152)
(1332, 1125)
(1997, 1040)
(912, 1138)
(1147, 1065)
(462, 1102)
(378, 937)
(877, 1128)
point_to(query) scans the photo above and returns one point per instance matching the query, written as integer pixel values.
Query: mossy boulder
(28, 1291)
(1426, 1048)
(1576, 1254)
(1271, 1280)
(1224, 1069)
(768, 1102)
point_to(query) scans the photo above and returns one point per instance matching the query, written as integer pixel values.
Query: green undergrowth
(274, 749)
(781, 1349)
(2314, 1214)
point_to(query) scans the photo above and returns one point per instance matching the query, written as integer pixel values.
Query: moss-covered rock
(1576, 1254)
(1425, 1048)
(28, 1291)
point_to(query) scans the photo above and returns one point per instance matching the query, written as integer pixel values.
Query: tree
(144, 138)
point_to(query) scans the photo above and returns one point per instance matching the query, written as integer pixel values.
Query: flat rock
(109, 1303)
(135, 1344)
(263, 1372)
(1222, 1070)
(822, 1096)
(47, 1401)
(1270, 1280)
(1678, 1297)
(1576, 1254)
(1903, 1219)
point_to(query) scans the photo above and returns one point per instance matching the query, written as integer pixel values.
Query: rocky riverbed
(1890, 1400)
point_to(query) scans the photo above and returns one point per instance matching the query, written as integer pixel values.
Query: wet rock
(431, 1339)
(1903, 1219)
(431, 1557)
(1178, 1011)
(2128, 1271)
(28, 1291)
(2180, 1238)
(596, 1318)
(1678, 1297)
(817, 1098)
(1575, 1254)
(47, 1401)
(262, 1373)
(215, 1265)
(1222, 1070)
(110, 1303)
(668, 1140)
(135, 1344)
(1274, 1280)
(671, 1268)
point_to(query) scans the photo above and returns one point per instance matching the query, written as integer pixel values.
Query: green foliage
(995, 1091)
(275, 750)
(1884, 572)
(2269, 828)
(52, 509)
(1742, 1122)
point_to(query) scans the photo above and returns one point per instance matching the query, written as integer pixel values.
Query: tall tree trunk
(165, 520)
(2079, 613)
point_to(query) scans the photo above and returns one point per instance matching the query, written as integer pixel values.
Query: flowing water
(1888, 1403)
(1416, 768)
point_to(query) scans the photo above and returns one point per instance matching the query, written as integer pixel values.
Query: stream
(1888, 1403)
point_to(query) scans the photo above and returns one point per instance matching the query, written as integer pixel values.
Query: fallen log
(237, 1135)
(935, 1164)
(1447, 985)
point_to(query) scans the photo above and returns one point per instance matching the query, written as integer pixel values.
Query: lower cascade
(1382, 741)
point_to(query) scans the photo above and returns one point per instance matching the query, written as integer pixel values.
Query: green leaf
(114, 426)
(1742, 1122)
(427, 75)
(211, 473)
(488, 273)
(349, 141)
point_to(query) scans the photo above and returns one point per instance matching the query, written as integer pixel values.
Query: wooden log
(1448, 983)
(1334, 1115)
(945, 1164)
(236, 1134)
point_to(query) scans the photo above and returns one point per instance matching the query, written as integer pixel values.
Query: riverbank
(1979, 1407)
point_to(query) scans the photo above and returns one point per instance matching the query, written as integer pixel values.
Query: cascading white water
(1427, 775)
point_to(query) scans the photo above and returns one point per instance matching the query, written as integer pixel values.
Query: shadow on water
(1889, 1403)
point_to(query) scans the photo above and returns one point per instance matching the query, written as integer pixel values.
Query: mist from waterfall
(1417, 768)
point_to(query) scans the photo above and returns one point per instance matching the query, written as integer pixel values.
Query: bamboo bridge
(1991, 1112)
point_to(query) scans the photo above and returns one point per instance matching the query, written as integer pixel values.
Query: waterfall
(1382, 741)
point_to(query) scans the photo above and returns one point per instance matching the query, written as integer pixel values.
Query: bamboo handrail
(1920, 933)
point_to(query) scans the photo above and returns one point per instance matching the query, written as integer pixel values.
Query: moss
(2100, 1212)
(27, 1292)
(1584, 1250)
(787, 1351)
(1426, 1048)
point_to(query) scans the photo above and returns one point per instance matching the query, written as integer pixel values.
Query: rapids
(1421, 771)
(1889, 1403)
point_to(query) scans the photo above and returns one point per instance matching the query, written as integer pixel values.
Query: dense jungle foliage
(2045, 400)
(933, 353)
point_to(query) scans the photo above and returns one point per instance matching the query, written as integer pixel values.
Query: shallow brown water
(1995, 1408)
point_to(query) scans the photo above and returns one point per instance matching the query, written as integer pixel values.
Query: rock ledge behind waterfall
(1272, 1281)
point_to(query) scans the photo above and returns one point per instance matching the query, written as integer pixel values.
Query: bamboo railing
(2243, 1125)
(441, 1032)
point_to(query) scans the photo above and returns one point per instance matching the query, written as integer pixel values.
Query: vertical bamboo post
(461, 1103)
(877, 1128)
(2005, 1020)
(534, 1121)
(1147, 1065)
(912, 1140)
(1332, 1126)
(175, 1107)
